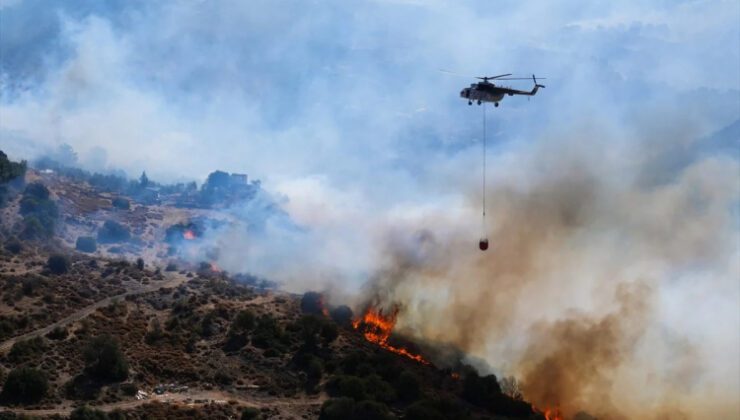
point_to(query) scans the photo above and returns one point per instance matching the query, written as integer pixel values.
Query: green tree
(86, 244)
(87, 413)
(104, 359)
(25, 386)
(58, 264)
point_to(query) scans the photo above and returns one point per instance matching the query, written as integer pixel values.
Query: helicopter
(486, 91)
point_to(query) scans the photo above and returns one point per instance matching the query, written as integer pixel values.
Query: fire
(553, 414)
(377, 328)
(188, 235)
(215, 268)
(550, 413)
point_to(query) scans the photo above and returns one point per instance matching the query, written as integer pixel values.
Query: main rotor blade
(456, 74)
(522, 78)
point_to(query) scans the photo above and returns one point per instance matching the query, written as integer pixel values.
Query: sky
(603, 182)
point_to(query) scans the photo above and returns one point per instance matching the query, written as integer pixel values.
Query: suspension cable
(484, 169)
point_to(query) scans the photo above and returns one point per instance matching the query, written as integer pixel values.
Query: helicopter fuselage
(488, 92)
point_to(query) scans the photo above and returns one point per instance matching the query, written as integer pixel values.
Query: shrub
(39, 212)
(36, 190)
(171, 267)
(314, 370)
(25, 386)
(267, 334)
(86, 244)
(342, 315)
(347, 386)
(371, 410)
(25, 349)
(250, 413)
(58, 264)
(87, 413)
(140, 263)
(329, 332)
(121, 203)
(58, 333)
(104, 360)
(13, 246)
(244, 321)
(112, 232)
(312, 303)
(10, 170)
(423, 411)
(129, 389)
(337, 409)
(407, 386)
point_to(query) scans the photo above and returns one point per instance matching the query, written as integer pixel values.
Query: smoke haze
(611, 285)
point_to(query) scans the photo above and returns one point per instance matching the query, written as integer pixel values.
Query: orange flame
(215, 268)
(550, 413)
(188, 235)
(377, 328)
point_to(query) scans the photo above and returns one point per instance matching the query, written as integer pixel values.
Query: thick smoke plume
(595, 265)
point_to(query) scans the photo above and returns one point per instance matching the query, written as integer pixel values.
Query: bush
(407, 386)
(171, 267)
(112, 232)
(25, 349)
(121, 203)
(36, 190)
(39, 212)
(347, 386)
(87, 413)
(10, 170)
(25, 386)
(371, 410)
(314, 370)
(58, 264)
(140, 263)
(312, 303)
(58, 333)
(329, 332)
(342, 315)
(86, 244)
(13, 246)
(268, 334)
(104, 360)
(129, 389)
(250, 413)
(337, 409)
(244, 321)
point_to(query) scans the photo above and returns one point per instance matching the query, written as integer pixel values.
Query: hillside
(129, 328)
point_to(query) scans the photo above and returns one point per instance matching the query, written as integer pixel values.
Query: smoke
(611, 282)
(591, 276)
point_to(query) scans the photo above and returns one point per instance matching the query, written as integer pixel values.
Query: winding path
(174, 280)
(185, 398)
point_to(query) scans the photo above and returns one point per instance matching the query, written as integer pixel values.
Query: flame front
(550, 413)
(377, 328)
(553, 414)
(188, 235)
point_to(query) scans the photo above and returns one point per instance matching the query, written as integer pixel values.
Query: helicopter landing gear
(479, 102)
(470, 102)
(495, 104)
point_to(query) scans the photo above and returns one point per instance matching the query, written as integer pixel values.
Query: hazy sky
(350, 90)
(597, 183)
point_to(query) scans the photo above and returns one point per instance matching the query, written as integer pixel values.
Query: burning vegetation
(377, 328)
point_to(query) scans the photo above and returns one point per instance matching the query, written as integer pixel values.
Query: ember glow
(188, 235)
(377, 328)
(550, 413)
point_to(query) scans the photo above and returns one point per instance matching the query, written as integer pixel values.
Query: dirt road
(185, 398)
(171, 280)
